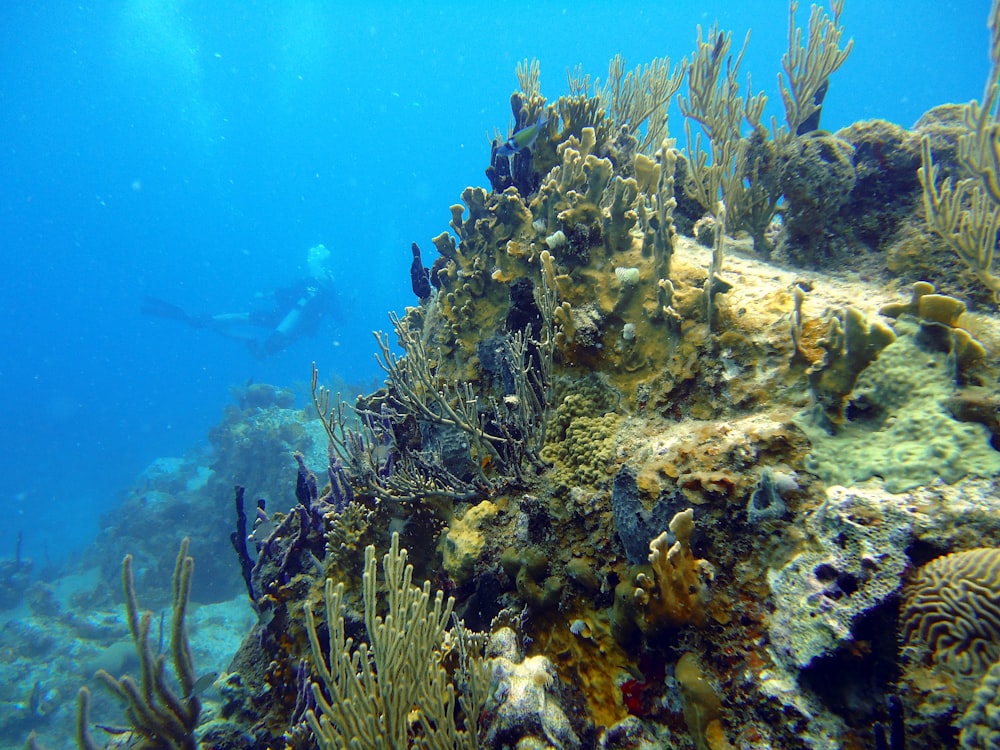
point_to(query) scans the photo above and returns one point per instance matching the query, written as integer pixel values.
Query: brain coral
(981, 722)
(951, 610)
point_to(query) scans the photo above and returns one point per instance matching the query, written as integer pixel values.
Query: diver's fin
(161, 309)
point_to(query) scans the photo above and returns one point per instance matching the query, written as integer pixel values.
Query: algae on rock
(900, 429)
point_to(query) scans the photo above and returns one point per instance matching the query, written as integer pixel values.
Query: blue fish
(523, 138)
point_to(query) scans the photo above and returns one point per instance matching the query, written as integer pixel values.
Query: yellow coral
(585, 454)
(463, 540)
(966, 213)
(702, 707)
(852, 343)
(677, 593)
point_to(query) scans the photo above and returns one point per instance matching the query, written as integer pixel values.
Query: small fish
(523, 138)
(35, 701)
(114, 730)
(264, 617)
(202, 684)
(811, 123)
(719, 42)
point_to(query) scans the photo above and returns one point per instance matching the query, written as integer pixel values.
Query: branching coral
(505, 435)
(966, 213)
(369, 694)
(716, 106)
(964, 216)
(808, 67)
(635, 99)
(677, 592)
(528, 74)
(160, 716)
(396, 449)
(742, 170)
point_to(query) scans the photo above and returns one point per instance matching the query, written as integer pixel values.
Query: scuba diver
(294, 311)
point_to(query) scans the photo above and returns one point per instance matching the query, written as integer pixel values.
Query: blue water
(195, 150)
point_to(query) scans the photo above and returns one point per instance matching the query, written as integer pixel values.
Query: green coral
(582, 433)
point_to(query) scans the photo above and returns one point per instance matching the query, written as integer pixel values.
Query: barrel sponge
(951, 611)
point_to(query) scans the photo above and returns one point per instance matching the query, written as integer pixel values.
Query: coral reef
(253, 445)
(73, 629)
(965, 212)
(818, 176)
(668, 493)
(642, 378)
